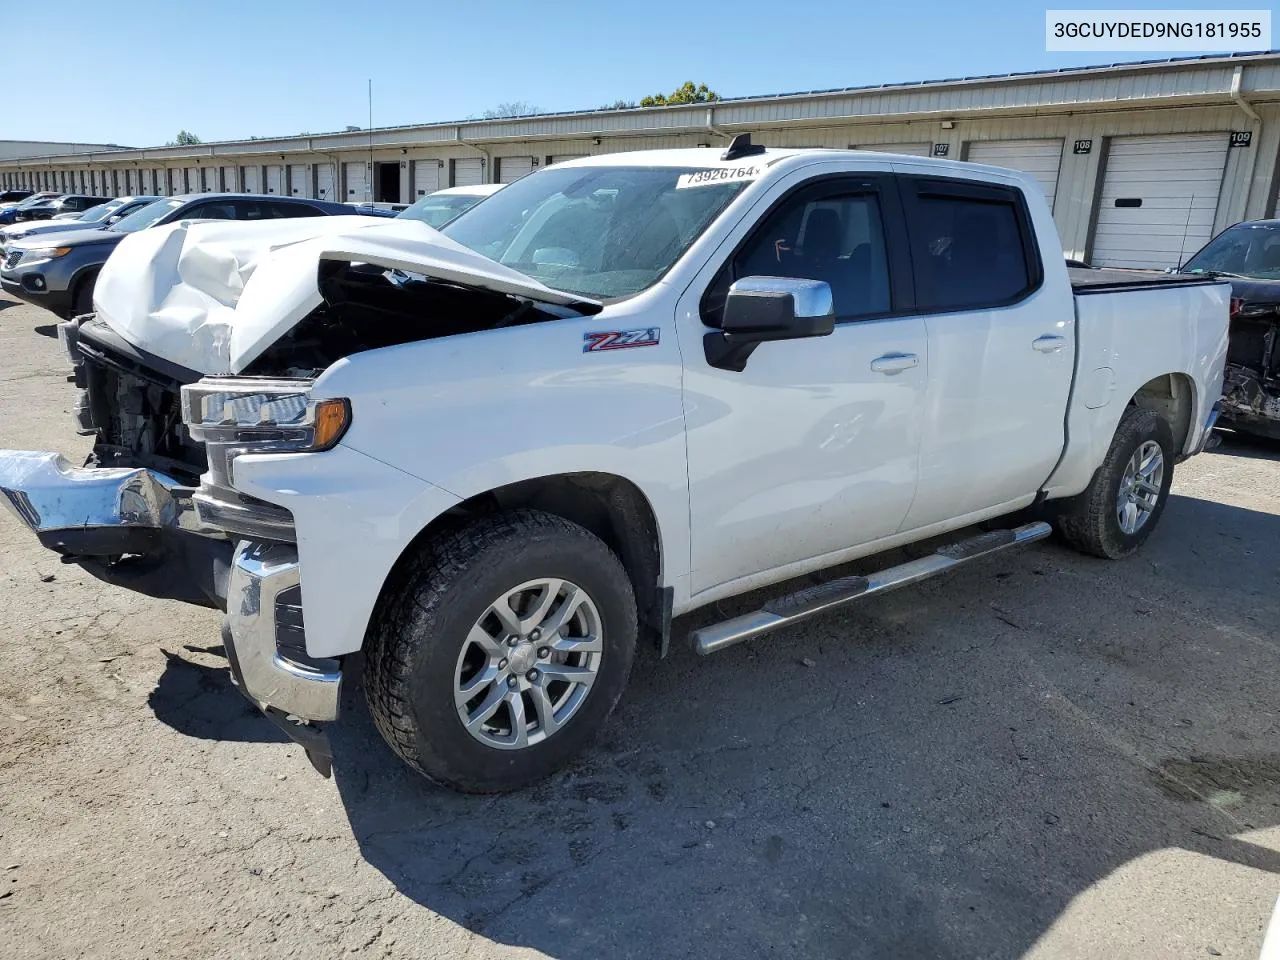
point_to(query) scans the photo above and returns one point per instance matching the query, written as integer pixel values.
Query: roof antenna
(742, 147)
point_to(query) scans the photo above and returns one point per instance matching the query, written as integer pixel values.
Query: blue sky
(137, 72)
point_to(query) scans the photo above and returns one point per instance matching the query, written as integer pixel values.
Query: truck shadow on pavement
(200, 701)
(936, 773)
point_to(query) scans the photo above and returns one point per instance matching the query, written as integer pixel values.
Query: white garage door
(298, 180)
(1159, 198)
(229, 179)
(909, 149)
(357, 192)
(1040, 158)
(426, 177)
(210, 179)
(274, 179)
(251, 179)
(193, 180)
(511, 169)
(467, 172)
(324, 181)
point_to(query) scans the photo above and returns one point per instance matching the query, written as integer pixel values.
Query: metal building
(1142, 162)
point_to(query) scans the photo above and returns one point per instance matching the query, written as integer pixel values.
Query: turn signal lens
(332, 417)
(1237, 304)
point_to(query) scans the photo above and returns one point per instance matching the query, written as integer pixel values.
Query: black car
(67, 203)
(59, 272)
(1248, 255)
(11, 196)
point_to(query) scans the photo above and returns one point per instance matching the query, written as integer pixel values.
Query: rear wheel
(1123, 503)
(503, 652)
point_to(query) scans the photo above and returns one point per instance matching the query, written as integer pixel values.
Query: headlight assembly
(275, 416)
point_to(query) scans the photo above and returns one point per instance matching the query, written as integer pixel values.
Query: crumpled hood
(213, 295)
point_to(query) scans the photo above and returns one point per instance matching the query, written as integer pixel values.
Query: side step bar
(785, 611)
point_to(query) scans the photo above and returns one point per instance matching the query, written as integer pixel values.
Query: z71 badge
(619, 339)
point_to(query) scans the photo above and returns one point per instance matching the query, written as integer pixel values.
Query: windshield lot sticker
(619, 339)
(708, 178)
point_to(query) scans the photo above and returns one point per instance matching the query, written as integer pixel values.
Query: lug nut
(544, 652)
(532, 675)
(511, 682)
(513, 641)
(535, 634)
(502, 664)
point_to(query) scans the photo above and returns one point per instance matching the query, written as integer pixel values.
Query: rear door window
(971, 244)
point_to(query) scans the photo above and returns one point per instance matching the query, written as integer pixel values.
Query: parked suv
(67, 203)
(95, 218)
(59, 273)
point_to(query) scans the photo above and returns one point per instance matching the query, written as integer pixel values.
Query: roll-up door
(274, 178)
(1159, 198)
(298, 180)
(357, 192)
(193, 180)
(324, 181)
(907, 149)
(511, 169)
(466, 172)
(229, 179)
(177, 182)
(426, 177)
(129, 183)
(210, 181)
(1040, 158)
(251, 179)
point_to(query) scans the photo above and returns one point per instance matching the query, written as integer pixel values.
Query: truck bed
(1085, 280)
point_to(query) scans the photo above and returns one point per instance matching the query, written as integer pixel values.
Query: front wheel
(502, 652)
(1121, 506)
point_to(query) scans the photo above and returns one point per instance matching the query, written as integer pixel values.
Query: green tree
(185, 138)
(688, 93)
(513, 108)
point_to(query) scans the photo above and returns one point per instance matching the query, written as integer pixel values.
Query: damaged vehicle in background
(1248, 255)
(488, 461)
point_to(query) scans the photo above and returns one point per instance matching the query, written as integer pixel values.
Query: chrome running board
(835, 593)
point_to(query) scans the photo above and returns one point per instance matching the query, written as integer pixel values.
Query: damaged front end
(155, 510)
(1251, 383)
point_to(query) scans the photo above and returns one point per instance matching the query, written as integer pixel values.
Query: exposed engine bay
(1251, 385)
(367, 307)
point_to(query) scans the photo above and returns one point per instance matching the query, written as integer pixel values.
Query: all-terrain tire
(1089, 522)
(416, 636)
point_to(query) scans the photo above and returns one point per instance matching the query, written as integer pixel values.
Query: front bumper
(265, 636)
(128, 524)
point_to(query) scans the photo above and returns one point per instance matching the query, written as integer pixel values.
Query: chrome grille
(12, 259)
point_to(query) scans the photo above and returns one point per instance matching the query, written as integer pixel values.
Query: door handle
(892, 363)
(1048, 343)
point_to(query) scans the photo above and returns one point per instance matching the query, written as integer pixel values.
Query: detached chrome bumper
(88, 510)
(264, 640)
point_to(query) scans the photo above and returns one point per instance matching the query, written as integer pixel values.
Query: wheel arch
(612, 507)
(1173, 397)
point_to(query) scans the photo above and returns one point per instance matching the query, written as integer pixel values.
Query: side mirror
(760, 309)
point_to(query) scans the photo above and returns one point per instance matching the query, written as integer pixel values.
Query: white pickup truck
(492, 459)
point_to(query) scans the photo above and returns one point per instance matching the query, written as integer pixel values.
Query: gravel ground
(1044, 755)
